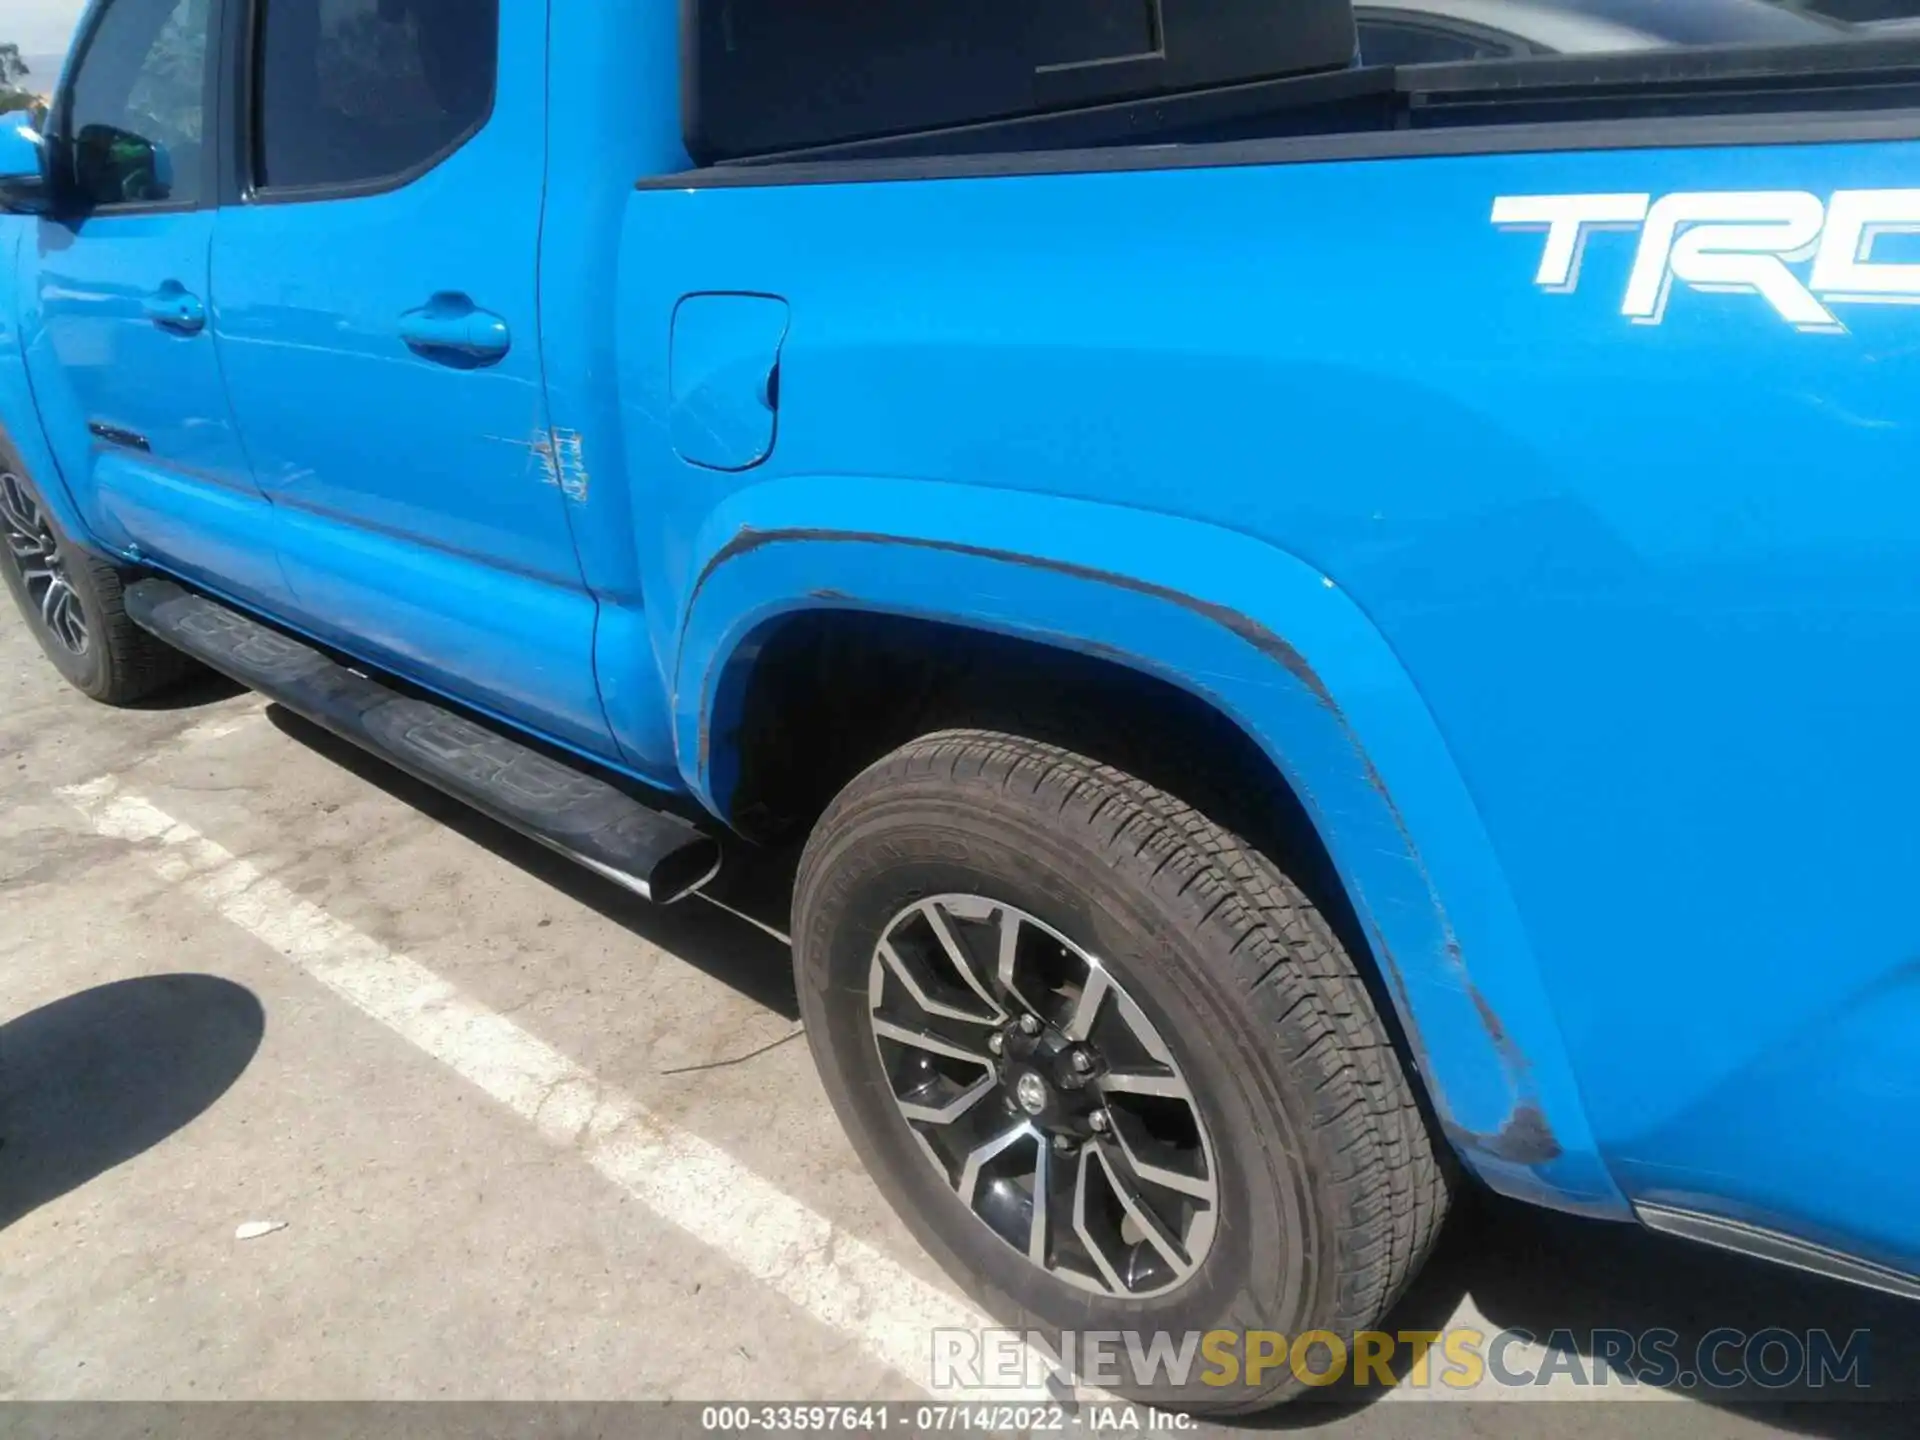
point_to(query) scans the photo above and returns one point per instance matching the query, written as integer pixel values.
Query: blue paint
(1585, 643)
(379, 358)
(723, 378)
(20, 152)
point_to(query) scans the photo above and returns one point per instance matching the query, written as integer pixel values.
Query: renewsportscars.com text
(1461, 1359)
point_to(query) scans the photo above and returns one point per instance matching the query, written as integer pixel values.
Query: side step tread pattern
(661, 856)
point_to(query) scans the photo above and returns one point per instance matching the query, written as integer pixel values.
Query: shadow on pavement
(1560, 1279)
(94, 1079)
(203, 687)
(725, 946)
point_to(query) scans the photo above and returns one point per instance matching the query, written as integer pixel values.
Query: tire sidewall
(868, 863)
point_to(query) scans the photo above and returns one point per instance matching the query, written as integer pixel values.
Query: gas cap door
(724, 378)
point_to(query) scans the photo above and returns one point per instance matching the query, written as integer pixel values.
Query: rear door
(378, 267)
(117, 287)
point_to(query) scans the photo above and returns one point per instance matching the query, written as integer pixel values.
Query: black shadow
(724, 945)
(202, 687)
(95, 1079)
(1561, 1278)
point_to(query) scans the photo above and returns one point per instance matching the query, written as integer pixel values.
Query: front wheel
(70, 600)
(1107, 1061)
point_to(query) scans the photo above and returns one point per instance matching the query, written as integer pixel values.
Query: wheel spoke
(1042, 1189)
(926, 1040)
(1143, 1215)
(1142, 1030)
(1081, 1228)
(951, 1111)
(937, 922)
(904, 973)
(1009, 949)
(1197, 1187)
(1087, 1008)
(1166, 1083)
(970, 1173)
(19, 513)
(1041, 1001)
(72, 625)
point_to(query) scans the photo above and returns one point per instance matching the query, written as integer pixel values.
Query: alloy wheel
(35, 551)
(1043, 1095)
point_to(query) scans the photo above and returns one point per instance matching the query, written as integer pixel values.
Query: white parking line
(836, 1278)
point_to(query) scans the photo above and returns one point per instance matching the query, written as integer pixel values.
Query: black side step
(656, 854)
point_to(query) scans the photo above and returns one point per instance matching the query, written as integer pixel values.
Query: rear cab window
(822, 80)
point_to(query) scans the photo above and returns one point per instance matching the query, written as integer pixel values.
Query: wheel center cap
(1031, 1091)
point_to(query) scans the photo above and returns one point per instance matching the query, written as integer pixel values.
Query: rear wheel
(1107, 1061)
(71, 602)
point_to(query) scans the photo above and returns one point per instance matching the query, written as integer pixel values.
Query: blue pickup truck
(1334, 630)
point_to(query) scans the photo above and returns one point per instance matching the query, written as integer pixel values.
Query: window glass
(137, 118)
(771, 75)
(1418, 31)
(352, 92)
(763, 77)
(1387, 38)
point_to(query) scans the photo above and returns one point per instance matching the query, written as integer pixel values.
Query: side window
(1397, 38)
(136, 117)
(352, 93)
(1392, 41)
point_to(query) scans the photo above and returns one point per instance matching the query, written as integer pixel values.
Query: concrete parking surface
(528, 1137)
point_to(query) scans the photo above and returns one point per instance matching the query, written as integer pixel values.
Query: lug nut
(1099, 1121)
(996, 1043)
(1063, 1143)
(1029, 1025)
(1082, 1062)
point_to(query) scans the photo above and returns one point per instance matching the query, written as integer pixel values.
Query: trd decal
(1733, 241)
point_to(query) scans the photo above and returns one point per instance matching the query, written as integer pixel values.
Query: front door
(378, 268)
(119, 303)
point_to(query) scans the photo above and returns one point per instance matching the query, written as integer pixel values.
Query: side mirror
(115, 166)
(24, 188)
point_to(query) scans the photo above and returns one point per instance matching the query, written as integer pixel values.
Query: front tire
(70, 599)
(1304, 1137)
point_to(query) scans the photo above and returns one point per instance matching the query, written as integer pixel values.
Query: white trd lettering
(1845, 270)
(1567, 220)
(1736, 240)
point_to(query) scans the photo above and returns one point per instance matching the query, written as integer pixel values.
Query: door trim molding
(1781, 1249)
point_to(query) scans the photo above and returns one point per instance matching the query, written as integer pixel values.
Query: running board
(650, 852)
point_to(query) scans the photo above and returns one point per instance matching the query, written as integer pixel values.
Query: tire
(116, 662)
(1329, 1189)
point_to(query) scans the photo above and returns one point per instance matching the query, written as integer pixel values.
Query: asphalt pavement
(495, 1130)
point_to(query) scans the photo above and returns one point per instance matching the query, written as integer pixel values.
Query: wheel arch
(1263, 641)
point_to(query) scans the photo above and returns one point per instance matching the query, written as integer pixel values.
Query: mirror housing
(25, 187)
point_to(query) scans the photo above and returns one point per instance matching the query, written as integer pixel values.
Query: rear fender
(1265, 639)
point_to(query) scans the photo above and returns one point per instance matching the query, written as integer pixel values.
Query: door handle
(450, 328)
(173, 307)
